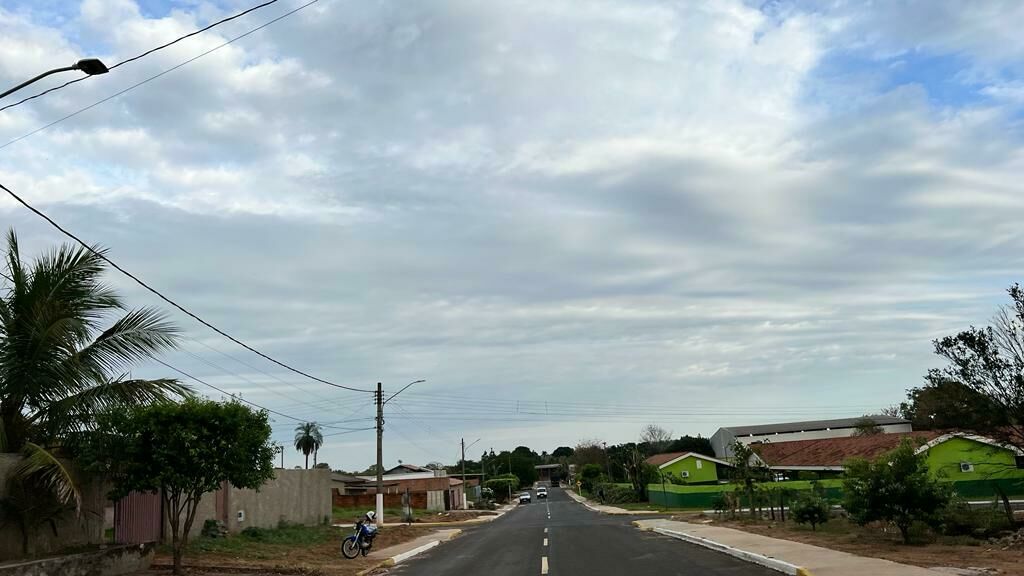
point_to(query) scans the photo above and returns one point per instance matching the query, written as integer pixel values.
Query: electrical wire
(234, 396)
(146, 53)
(154, 77)
(166, 299)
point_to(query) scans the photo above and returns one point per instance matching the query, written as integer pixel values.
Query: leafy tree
(308, 440)
(866, 426)
(895, 487)
(503, 485)
(944, 404)
(990, 361)
(747, 471)
(184, 451)
(562, 452)
(640, 473)
(697, 444)
(810, 508)
(67, 342)
(589, 452)
(322, 466)
(589, 475)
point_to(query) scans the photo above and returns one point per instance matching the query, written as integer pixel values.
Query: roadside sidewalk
(785, 556)
(401, 552)
(603, 509)
(472, 522)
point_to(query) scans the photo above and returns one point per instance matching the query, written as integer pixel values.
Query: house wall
(72, 529)
(700, 470)
(295, 496)
(990, 462)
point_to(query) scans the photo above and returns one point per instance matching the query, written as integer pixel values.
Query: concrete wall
(294, 496)
(72, 530)
(109, 562)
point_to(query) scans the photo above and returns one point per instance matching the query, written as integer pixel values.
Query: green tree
(502, 486)
(67, 342)
(810, 508)
(184, 451)
(895, 487)
(640, 473)
(866, 426)
(562, 452)
(589, 475)
(990, 361)
(747, 471)
(944, 404)
(697, 444)
(308, 440)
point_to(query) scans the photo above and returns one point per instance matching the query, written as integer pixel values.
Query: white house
(789, 431)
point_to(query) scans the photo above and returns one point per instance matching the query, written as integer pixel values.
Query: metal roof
(809, 425)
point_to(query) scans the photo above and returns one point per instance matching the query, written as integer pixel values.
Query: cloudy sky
(571, 218)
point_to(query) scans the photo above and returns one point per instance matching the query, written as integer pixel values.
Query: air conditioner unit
(966, 467)
(684, 474)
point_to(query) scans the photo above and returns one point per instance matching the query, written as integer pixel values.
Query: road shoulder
(784, 556)
(402, 552)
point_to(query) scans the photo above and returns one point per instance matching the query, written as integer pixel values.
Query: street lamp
(91, 66)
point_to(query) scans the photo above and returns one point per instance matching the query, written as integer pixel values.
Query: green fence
(703, 497)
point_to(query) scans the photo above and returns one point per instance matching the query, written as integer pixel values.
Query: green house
(689, 467)
(963, 457)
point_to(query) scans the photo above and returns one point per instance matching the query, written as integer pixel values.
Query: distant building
(689, 467)
(809, 430)
(545, 473)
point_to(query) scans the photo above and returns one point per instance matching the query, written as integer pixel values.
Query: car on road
(524, 498)
(542, 492)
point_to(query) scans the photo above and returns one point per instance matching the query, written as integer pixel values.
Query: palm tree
(308, 440)
(66, 344)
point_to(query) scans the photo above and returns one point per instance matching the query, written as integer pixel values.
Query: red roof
(659, 459)
(833, 451)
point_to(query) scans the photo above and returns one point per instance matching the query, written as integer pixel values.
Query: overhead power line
(142, 55)
(160, 295)
(155, 76)
(240, 399)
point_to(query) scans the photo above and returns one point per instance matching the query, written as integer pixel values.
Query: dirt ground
(322, 559)
(877, 542)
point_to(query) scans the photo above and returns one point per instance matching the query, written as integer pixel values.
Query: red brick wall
(369, 501)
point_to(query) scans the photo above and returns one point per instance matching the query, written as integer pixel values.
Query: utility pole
(510, 473)
(379, 397)
(380, 455)
(463, 442)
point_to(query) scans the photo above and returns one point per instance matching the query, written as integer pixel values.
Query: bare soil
(881, 542)
(264, 559)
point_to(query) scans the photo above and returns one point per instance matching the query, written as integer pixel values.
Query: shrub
(501, 485)
(960, 519)
(589, 475)
(895, 487)
(616, 494)
(255, 533)
(810, 508)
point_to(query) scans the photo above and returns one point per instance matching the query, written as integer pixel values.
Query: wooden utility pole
(463, 442)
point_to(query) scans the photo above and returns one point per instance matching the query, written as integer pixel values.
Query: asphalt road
(579, 542)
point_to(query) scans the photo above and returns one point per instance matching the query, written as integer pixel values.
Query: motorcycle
(360, 542)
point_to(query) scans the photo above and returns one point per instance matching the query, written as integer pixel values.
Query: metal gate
(138, 518)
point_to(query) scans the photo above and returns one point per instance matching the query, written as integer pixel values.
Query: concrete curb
(398, 558)
(624, 512)
(752, 557)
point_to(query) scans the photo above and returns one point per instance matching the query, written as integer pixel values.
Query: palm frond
(139, 335)
(43, 466)
(75, 412)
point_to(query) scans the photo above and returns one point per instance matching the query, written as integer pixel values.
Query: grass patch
(259, 542)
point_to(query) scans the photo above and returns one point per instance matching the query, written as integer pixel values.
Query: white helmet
(371, 516)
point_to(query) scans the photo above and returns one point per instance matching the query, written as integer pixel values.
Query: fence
(703, 497)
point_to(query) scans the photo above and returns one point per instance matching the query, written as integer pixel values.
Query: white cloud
(537, 199)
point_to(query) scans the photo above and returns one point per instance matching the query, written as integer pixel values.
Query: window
(1020, 462)
(966, 467)
(699, 464)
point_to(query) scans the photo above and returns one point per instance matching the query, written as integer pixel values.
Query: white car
(524, 498)
(542, 492)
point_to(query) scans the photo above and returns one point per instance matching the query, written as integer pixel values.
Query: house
(953, 456)
(427, 489)
(808, 430)
(403, 469)
(348, 484)
(690, 467)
